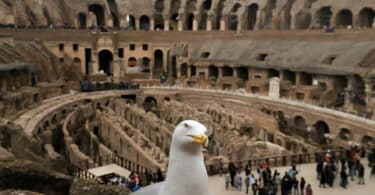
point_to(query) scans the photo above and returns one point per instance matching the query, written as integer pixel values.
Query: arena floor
(308, 172)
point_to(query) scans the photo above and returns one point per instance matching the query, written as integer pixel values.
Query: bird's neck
(186, 169)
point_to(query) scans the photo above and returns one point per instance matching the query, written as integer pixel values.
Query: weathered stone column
(178, 71)
(137, 24)
(368, 91)
(209, 24)
(220, 72)
(298, 78)
(235, 73)
(239, 24)
(206, 73)
(180, 22)
(152, 24)
(166, 24)
(222, 25)
(195, 25)
(189, 72)
(257, 23)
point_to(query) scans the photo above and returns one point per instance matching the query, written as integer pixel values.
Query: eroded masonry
(89, 83)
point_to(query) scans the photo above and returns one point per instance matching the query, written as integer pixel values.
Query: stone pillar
(235, 73)
(332, 20)
(348, 91)
(298, 78)
(293, 21)
(220, 72)
(274, 88)
(166, 24)
(368, 91)
(206, 73)
(239, 24)
(222, 24)
(152, 24)
(180, 23)
(257, 23)
(178, 71)
(355, 20)
(137, 24)
(95, 61)
(195, 25)
(189, 72)
(209, 25)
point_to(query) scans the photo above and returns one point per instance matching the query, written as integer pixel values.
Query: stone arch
(167, 99)
(132, 62)
(98, 11)
(206, 6)
(145, 65)
(366, 17)
(299, 123)
(323, 16)
(184, 70)
(251, 16)
(144, 23)
(159, 21)
(219, 14)
(345, 134)
(82, 20)
(227, 71)
(303, 20)
(130, 22)
(158, 62)
(149, 103)
(344, 18)
(189, 21)
(173, 12)
(105, 61)
(232, 22)
(236, 7)
(321, 128)
(213, 72)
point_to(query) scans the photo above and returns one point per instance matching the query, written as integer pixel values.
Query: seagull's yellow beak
(200, 139)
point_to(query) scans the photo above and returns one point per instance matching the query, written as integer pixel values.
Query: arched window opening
(145, 23)
(190, 21)
(145, 65)
(98, 10)
(366, 18)
(130, 22)
(105, 62)
(158, 63)
(345, 134)
(82, 20)
(227, 71)
(321, 130)
(213, 72)
(252, 16)
(324, 17)
(344, 18)
(184, 70)
(233, 22)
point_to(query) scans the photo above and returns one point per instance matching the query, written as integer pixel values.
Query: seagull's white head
(190, 134)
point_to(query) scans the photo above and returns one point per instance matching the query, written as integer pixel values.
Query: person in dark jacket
(344, 177)
(232, 171)
(302, 185)
(361, 173)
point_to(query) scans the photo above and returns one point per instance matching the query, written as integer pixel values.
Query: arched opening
(344, 18)
(193, 70)
(105, 61)
(145, 65)
(324, 17)
(227, 71)
(300, 123)
(303, 20)
(159, 21)
(345, 134)
(175, 6)
(290, 76)
(213, 72)
(96, 131)
(242, 73)
(366, 17)
(158, 62)
(150, 104)
(233, 22)
(190, 21)
(98, 10)
(132, 62)
(115, 20)
(252, 16)
(82, 21)
(184, 70)
(236, 7)
(321, 129)
(367, 141)
(159, 6)
(144, 23)
(130, 20)
(219, 14)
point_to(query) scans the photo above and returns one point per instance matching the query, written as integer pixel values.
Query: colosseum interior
(94, 82)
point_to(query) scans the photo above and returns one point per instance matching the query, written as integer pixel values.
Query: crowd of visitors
(264, 182)
(134, 182)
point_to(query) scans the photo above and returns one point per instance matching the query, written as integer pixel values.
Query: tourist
(344, 177)
(319, 169)
(286, 185)
(232, 171)
(361, 173)
(228, 180)
(239, 181)
(302, 185)
(254, 187)
(159, 175)
(261, 187)
(247, 182)
(295, 186)
(309, 190)
(248, 168)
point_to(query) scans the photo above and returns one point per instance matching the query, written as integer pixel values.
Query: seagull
(186, 173)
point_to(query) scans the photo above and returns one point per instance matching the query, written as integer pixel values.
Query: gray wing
(150, 190)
